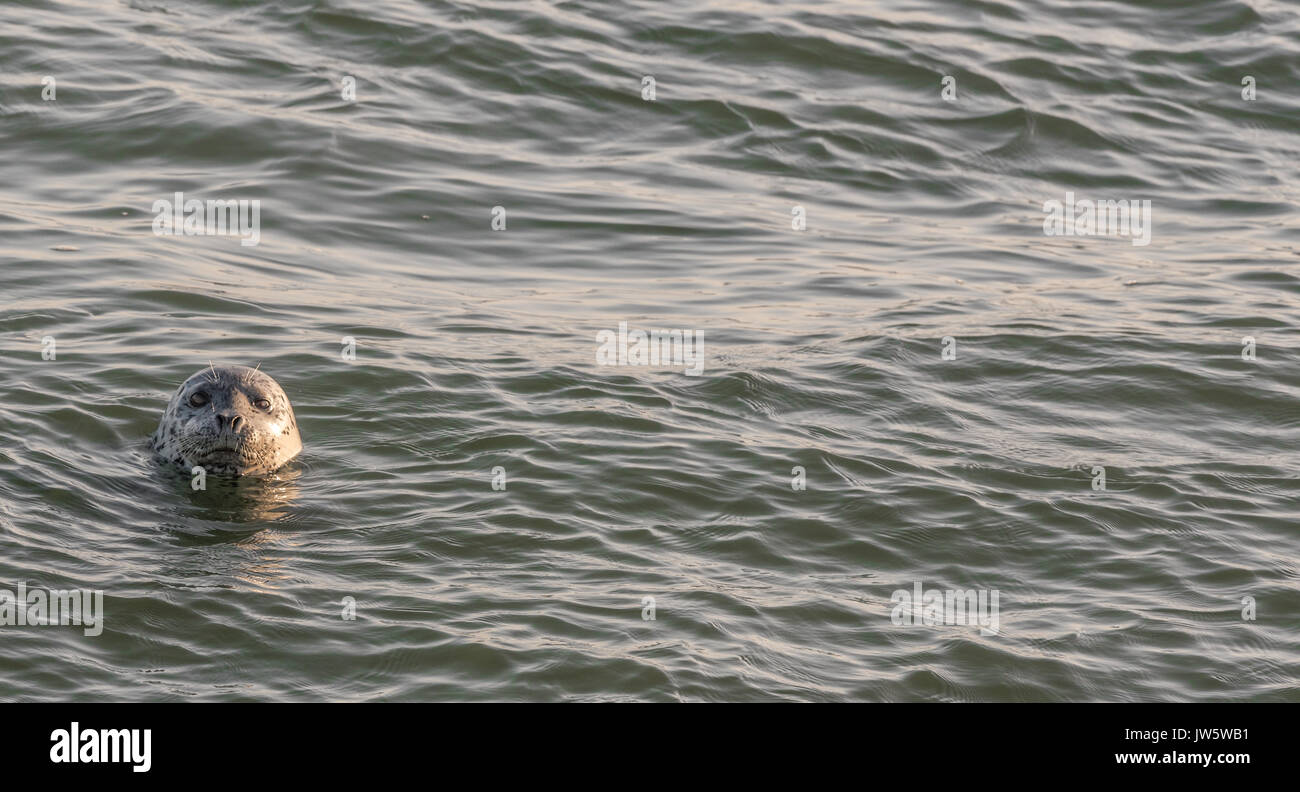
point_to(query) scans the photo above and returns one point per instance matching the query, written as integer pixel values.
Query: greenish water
(477, 349)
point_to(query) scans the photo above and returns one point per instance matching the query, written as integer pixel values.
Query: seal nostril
(236, 422)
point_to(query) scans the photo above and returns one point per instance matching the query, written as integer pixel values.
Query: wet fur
(190, 436)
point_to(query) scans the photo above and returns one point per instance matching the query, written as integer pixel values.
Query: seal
(230, 420)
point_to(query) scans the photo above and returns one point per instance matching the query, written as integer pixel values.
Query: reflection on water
(237, 530)
(226, 500)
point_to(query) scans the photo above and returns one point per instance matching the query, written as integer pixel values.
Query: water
(475, 349)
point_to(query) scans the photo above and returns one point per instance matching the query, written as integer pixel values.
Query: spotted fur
(215, 421)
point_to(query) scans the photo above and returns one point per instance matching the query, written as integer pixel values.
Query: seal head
(229, 420)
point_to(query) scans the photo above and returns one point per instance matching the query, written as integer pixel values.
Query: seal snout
(231, 421)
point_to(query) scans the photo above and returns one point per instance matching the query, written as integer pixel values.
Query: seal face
(229, 420)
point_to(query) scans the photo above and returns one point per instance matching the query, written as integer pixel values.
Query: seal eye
(198, 399)
(263, 404)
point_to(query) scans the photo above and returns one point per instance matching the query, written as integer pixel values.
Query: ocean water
(904, 379)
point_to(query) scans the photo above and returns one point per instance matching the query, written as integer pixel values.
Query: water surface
(475, 348)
